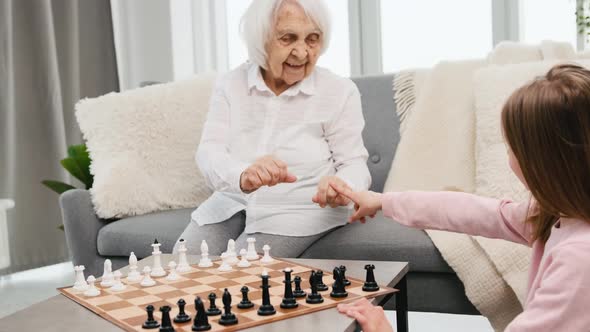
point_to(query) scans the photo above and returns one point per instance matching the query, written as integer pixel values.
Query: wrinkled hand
(366, 203)
(266, 171)
(370, 317)
(326, 195)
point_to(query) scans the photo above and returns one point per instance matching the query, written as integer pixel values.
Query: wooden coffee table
(62, 314)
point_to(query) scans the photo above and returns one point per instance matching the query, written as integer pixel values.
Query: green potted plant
(77, 164)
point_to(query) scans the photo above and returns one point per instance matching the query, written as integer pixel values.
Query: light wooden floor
(20, 290)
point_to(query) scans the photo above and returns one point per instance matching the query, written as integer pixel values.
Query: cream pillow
(142, 144)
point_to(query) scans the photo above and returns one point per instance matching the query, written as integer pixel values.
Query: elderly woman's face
(294, 46)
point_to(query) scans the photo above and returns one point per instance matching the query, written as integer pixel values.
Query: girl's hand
(366, 203)
(370, 317)
(327, 196)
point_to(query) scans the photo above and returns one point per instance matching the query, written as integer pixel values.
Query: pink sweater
(558, 297)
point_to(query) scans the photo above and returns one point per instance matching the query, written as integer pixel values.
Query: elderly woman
(278, 130)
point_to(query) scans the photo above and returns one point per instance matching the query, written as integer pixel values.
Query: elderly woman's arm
(221, 171)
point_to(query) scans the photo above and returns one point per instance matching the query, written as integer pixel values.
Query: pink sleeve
(459, 212)
(561, 302)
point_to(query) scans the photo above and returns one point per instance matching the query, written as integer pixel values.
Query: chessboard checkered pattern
(126, 309)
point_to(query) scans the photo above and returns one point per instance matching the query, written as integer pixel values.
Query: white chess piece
(172, 275)
(232, 256)
(182, 262)
(252, 255)
(107, 279)
(266, 258)
(134, 275)
(147, 280)
(244, 262)
(92, 290)
(80, 284)
(224, 267)
(205, 260)
(118, 285)
(157, 269)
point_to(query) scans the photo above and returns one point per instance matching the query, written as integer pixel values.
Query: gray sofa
(432, 284)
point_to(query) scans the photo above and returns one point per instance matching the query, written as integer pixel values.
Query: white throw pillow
(493, 85)
(142, 144)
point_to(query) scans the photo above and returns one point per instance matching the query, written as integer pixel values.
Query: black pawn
(150, 323)
(201, 322)
(182, 317)
(245, 303)
(298, 291)
(346, 281)
(370, 284)
(314, 297)
(289, 301)
(320, 281)
(266, 309)
(228, 318)
(338, 287)
(213, 310)
(166, 322)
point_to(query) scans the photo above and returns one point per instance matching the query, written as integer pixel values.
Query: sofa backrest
(381, 133)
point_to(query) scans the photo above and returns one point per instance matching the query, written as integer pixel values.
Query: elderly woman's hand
(326, 195)
(370, 317)
(266, 171)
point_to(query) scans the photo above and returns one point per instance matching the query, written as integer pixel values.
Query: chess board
(126, 309)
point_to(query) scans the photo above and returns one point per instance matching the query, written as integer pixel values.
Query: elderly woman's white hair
(257, 25)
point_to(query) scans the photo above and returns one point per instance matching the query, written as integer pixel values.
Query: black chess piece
(289, 301)
(346, 281)
(245, 303)
(298, 291)
(266, 309)
(166, 322)
(338, 287)
(182, 317)
(320, 281)
(201, 322)
(213, 310)
(228, 318)
(314, 297)
(150, 323)
(370, 284)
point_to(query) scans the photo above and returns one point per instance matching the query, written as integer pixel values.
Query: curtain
(52, 54)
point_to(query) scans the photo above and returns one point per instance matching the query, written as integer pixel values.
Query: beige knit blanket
(437, 151)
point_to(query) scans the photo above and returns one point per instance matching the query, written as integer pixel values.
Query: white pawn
(107, 275)
(205, 260)
(92, 290)
(157, 269)
(252, 255)
(183, 265)
(172, 275)
(118, 285)
(224, 264)
(147, 280)
(80, 284)
(134, 275)
(232, 256)
(244, 262)
(266, 259)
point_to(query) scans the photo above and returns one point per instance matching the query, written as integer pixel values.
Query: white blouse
(314, 127)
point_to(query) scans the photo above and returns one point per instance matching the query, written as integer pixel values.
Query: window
(337, 56)
(548, 19)
(419, 33)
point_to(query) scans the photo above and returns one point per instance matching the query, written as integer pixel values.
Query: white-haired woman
(278, 130)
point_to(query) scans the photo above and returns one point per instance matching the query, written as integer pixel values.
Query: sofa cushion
(137, 233)
(380, 239)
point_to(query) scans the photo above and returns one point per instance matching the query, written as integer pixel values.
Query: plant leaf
(61, 227)
(78, 164)
(57, 186)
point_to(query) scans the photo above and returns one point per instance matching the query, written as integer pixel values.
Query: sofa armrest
(81, 226)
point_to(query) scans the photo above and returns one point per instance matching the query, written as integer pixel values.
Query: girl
(546, 125)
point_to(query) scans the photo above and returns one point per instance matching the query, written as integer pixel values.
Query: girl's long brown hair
(547, 125)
